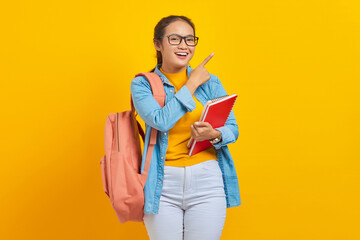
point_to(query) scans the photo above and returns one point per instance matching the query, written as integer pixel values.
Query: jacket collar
(163, 77)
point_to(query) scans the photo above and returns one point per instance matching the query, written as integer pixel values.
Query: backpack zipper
(117, 129)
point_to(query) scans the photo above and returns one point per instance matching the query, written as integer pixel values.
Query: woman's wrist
(216, 134)
(217, 139)
(191, 86)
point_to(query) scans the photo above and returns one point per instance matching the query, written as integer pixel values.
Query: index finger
(202, 124)
(207, 59)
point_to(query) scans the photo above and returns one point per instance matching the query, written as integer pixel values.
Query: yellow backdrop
(65, 65)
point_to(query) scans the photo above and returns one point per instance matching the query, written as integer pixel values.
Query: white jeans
(192, 204)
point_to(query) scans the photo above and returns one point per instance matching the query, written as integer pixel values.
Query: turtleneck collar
(176, 79)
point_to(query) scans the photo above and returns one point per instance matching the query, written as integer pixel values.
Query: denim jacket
(176, 105)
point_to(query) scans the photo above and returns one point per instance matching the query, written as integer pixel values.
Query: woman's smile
(182, 55)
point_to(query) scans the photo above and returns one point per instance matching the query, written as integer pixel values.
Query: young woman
(185, 197)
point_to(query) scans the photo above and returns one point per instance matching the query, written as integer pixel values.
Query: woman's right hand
(198, 75)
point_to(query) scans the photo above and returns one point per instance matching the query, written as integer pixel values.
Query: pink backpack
(121, 165)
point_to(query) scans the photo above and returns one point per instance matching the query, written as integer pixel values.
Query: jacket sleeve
(229, 132)
(152, 113)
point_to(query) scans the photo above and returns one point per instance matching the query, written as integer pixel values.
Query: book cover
(216, 112)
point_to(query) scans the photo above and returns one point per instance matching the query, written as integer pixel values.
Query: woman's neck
(168, 69)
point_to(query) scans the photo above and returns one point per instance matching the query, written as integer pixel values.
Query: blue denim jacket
(176, 105)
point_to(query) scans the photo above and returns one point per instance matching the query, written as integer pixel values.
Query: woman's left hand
(202, 131)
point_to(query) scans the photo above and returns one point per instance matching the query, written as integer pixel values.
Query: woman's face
(172, 62)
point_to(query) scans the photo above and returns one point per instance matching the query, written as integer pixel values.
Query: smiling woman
(174, 35)
(185, 196)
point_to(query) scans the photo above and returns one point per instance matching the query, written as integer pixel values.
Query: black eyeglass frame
(181, 38)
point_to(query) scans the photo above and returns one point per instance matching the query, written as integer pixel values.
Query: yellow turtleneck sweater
(177, 154)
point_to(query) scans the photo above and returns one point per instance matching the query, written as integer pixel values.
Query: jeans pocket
(212, 167)
(210, 176)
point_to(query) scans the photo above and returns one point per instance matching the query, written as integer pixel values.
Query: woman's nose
(182, 45)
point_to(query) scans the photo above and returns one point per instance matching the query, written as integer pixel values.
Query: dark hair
(159, 31)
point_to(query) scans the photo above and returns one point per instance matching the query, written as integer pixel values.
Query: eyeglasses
(175, 39)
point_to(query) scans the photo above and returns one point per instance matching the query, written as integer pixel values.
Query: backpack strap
(157, 86)
(158, 91)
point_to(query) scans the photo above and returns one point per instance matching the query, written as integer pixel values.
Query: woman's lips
(181, 57)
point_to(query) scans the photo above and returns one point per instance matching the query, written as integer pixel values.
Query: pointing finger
(206, 60)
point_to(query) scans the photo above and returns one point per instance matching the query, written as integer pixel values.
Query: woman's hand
(201, 131)
(198, 75)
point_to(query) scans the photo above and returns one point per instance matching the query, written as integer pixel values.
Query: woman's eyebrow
(189, 35)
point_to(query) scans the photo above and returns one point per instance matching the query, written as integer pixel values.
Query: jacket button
(171, 90)
(160, 182)
(164, 133)
(162, 157)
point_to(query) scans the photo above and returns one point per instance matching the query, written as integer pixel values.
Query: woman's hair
(159, 31)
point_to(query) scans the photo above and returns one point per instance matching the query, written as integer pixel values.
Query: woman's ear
(157, 45)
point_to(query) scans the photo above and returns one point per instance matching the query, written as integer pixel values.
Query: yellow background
(65, 65)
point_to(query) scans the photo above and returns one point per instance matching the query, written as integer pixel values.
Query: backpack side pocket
(104, 175)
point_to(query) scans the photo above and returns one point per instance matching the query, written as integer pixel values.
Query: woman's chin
(181, 63)
(178, 63)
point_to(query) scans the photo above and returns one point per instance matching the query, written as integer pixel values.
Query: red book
(216, 112)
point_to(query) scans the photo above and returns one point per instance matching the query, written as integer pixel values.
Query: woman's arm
(152, 113)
